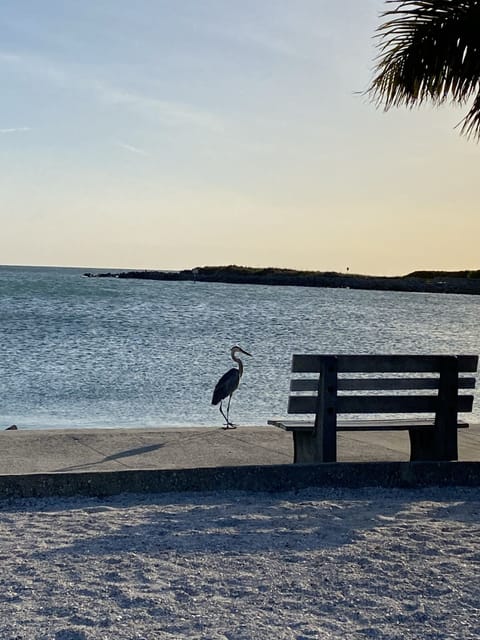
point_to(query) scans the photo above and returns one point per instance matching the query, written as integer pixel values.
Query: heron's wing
(226, 385)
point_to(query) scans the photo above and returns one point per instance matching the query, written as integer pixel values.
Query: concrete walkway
(98, 450)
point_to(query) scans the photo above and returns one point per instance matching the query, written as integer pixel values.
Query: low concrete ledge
(270, 478)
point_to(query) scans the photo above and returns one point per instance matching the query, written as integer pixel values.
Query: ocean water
(98, 352)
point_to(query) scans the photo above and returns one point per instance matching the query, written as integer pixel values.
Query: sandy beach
(318, 563)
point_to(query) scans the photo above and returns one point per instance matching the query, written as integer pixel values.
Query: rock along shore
(460, 282)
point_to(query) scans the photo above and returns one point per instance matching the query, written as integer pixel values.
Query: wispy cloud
(167, 112)
(282, 42)
(8, 57)
(36, 66)
(131, 148)
(14, 130)
(268, 41)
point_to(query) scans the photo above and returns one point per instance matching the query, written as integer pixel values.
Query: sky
(168, 134)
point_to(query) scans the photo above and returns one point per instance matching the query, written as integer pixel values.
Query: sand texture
(369, 563)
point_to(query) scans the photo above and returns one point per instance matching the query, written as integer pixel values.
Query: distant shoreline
(460, 282)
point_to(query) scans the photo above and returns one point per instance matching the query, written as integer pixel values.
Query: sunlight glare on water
(98, 352)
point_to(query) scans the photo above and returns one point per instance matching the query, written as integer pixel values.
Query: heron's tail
(217, 396)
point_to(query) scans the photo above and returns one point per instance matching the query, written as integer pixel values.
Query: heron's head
(236, 350)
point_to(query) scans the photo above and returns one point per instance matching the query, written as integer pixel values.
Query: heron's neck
(239, 362)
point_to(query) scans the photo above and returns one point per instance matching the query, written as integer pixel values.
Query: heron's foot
(229, 425)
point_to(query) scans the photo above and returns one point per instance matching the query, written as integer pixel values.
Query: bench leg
(440, 443)
(431, 444)
(303, 447)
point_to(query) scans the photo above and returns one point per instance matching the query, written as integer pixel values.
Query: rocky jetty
(462, 282)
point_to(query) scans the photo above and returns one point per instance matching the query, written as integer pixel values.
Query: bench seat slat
(362, 425)
(311, 363)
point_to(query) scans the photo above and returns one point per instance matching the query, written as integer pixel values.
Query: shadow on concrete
(138, 451)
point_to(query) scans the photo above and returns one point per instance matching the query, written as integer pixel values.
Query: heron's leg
(229, 424)
(224, 416)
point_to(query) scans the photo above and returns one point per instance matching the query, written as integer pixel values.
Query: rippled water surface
(98, 352)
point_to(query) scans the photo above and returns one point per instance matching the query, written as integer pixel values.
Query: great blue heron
(228, 383)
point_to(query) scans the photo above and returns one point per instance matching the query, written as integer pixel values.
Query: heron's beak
(236, 348)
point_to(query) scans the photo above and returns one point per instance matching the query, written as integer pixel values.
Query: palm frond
(429, 50)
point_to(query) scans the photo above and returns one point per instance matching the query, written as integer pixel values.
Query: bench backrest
(343, 383)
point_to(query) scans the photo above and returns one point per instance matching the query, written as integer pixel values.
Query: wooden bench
(363, 384)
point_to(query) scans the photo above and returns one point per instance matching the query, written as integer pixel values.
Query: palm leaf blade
(429, 50)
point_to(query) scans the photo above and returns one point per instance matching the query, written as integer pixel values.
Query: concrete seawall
(103, 462)
(243, 478)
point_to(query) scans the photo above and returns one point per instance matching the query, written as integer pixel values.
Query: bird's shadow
(114, 457)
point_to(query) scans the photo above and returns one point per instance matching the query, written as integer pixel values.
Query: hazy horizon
(156, 135)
